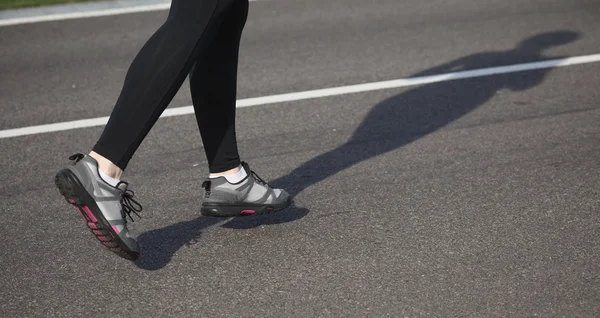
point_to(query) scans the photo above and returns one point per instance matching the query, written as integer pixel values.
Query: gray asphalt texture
(475, 197)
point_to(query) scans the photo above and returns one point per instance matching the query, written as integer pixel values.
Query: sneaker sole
(71, 188)
(231, 210)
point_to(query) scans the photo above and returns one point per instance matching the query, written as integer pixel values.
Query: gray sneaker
(251, 196)
(103, 206)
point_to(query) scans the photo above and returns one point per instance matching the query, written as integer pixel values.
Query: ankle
(106, 166)
(225, 173)
(234, 175)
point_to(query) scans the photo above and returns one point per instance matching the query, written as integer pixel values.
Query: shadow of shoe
(158, 246)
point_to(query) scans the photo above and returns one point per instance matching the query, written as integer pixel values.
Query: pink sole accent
(78, 209)
(114, 227)
(97, 232)
(103, 238)
(247, 212)
(92, 225)
(89, 214)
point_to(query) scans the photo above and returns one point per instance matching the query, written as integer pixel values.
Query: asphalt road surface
(477, 197)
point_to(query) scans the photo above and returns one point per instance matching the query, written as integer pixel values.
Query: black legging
(200, 38)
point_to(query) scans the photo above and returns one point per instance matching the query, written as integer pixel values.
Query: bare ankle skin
(224, 173)
(107, 166)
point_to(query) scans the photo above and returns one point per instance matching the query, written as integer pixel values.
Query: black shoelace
(254, 175)
(129, 205)
(257, 178)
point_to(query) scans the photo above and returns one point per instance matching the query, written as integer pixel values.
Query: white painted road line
(320, 93)
(85, 14)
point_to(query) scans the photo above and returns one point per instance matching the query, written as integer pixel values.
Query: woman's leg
(213, 83)
(231, 189)
(91, 183)
(155, 75)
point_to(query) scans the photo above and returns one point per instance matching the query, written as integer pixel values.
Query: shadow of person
(389, 125)
(406, 117)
